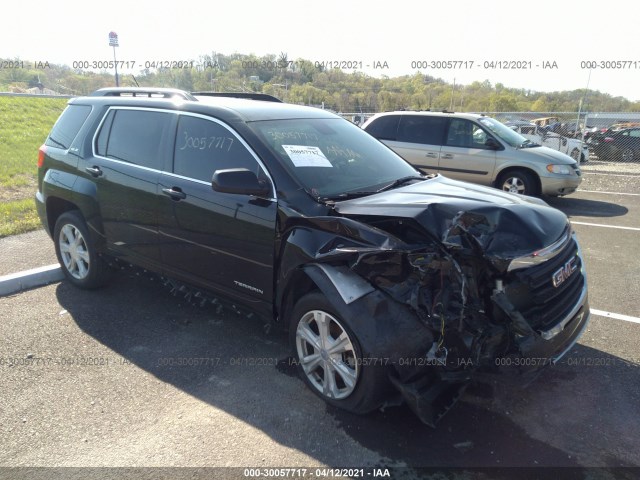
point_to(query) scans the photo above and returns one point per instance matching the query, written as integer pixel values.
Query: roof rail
(142, 92)
(248, 95)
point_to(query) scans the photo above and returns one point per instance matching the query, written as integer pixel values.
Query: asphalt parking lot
(130, 376)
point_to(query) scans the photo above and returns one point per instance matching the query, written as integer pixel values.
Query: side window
(204, 146)
(421, 129)
(634, 133)
(68, 126)
(134, 136)
(465, 134)
(384, 128)
(103, 135)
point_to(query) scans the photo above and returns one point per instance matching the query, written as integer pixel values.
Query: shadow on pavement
(572, 415)
(578, 207)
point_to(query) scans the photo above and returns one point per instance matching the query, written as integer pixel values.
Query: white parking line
(609, 174)
(617, 316)
(606, 226)
(609, 193)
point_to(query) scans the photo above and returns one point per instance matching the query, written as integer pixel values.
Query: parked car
(548, 124)
(621, 145)
(545, 121)
(570, 129)
(478, 149)
(393, 285)
(575, 148)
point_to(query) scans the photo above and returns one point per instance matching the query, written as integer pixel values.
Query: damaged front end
(449, 296)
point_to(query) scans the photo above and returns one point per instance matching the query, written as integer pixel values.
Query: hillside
(314, 83)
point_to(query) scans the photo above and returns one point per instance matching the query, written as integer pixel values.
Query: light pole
(113, 42)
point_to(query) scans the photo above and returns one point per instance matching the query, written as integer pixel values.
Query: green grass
(24, 125)
(18, 217)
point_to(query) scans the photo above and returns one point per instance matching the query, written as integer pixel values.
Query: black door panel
(131, 148)
(221, 240)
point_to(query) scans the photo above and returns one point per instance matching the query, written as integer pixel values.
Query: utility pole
(453, 91)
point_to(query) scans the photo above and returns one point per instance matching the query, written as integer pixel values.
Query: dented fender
(386, 329)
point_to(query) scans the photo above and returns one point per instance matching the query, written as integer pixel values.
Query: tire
(353, 384)
(627, 155)
(517, 181)
(76, 252)
(576, 155)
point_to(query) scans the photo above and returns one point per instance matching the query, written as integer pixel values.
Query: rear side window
(204, 146)
(421, 129)
(134, 136)
(68, 126)
(384, 128)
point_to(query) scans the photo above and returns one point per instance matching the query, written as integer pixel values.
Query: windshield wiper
(62, 145)
(347, 196)
(364, 193)
(400, 181)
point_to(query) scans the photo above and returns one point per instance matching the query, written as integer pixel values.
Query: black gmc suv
(394, 285)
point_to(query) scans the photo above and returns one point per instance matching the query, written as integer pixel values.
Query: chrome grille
(533, 293)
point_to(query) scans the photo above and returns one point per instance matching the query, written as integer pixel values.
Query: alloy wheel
(327, 354)
(74, 252)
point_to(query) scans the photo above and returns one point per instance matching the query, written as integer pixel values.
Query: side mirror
(239, 181)
(492, 144)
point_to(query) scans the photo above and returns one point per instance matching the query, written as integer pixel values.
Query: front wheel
(76, 253)
(330, 360)
(517, 181)
(627, 155)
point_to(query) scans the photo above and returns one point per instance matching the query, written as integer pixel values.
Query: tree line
(304, 82)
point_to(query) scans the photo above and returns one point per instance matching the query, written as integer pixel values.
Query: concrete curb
(36, 277)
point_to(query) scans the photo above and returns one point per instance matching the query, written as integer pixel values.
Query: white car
(573, 147)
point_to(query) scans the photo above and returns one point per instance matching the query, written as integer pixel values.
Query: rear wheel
(330, 360)
(517, 181)
(627, 155)
(76, 253)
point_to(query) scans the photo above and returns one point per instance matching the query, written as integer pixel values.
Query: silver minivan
(476, 148)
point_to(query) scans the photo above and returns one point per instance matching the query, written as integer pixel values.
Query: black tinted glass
(421, 129)
(103, 135)
(68, 126)
(204, 146)
(136, 137)
(384, 128)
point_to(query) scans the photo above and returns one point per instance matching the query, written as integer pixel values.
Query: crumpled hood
(503, 225)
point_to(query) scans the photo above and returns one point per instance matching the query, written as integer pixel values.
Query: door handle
(431, 155)
(447, 155)
(94, 171)
(175, 193)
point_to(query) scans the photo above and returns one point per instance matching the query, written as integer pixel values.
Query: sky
(580, 41)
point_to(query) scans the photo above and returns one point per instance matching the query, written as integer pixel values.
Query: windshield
(332, 157)
(503, 132)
